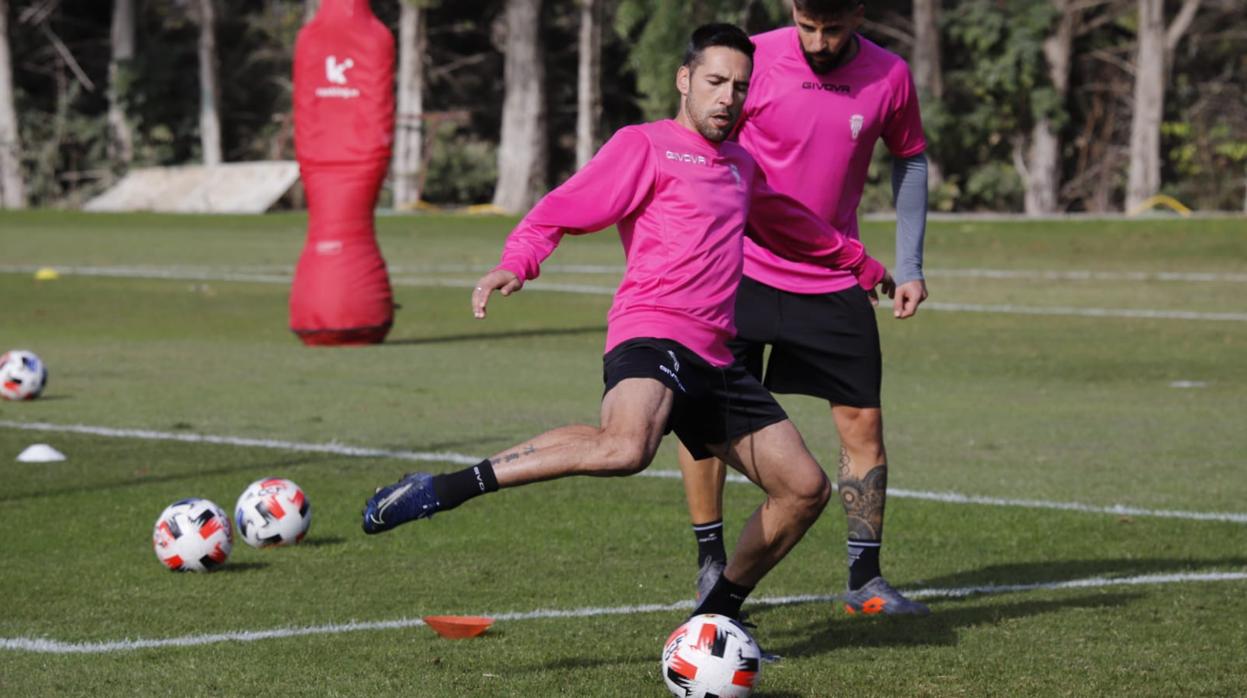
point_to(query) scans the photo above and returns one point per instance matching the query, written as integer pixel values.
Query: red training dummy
(343, 134)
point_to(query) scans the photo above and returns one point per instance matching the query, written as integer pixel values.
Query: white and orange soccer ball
(272, 511)
(23, 376)
(711, 655)
(193, 535)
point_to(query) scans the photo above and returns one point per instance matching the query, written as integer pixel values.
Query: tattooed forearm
(514, 455)
(863, 501)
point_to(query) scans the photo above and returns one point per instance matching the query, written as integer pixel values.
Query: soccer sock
(710, 542)
(724, 599)
(863, 562)
(453, 489)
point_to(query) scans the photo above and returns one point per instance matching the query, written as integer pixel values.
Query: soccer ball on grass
(272, 511)
(711, 655)
(22, 375)
(192, 535)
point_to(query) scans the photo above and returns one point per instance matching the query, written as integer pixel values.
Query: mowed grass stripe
(398, 279)
(465, 459)
(284, 272)
(46, 646)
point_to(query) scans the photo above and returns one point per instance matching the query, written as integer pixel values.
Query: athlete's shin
(863, 498)
(703, 487)
(775, 527)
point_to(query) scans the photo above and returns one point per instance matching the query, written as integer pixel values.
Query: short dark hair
(716, 34)
(826, 8)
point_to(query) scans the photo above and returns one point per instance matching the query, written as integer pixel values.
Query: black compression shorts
(712, 405)
(823, 345)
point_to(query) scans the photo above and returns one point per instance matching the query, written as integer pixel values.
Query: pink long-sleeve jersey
(681, 204)
(813, 136)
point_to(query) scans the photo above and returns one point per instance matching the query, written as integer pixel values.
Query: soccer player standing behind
(820, 98)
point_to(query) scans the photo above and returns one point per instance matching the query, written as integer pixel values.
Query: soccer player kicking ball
(820, 98)
(681, 197)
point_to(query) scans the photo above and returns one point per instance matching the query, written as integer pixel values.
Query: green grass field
(176, 326)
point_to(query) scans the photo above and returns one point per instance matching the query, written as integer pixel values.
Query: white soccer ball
(22, 375)
(193, 535)
(711, 655)
(272, 511)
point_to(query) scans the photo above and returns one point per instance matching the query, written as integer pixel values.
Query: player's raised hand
(909, 296)
(499, 280)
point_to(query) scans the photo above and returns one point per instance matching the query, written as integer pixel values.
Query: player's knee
(861, 434)
(810, 495)
(623, 456)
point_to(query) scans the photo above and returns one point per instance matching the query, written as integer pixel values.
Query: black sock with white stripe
(863, 562)
(710, 542)
(724, 599)
(453, 489)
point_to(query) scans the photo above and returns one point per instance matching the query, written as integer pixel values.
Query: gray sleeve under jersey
(909, 192)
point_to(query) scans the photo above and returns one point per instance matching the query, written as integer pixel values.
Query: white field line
(464, 459)
(1132, 313)
(46, 646)
(334, 448)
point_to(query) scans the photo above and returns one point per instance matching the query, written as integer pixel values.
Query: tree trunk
(522, 148)
(589, 81)
(121, 146)
(409, 133)
(1043, 170)
(1043, 167)
(209, 90)
(12, 184)
(1149, 104)
(928, 70)
(1156, 42)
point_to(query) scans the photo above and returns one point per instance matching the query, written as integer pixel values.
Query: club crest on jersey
(687, 157)
(855, 125)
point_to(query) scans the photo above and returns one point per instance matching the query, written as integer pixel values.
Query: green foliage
(462, 168)
(996, 88)
(659, 32)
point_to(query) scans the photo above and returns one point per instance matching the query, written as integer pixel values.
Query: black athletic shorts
(712, 405)
(824, 345)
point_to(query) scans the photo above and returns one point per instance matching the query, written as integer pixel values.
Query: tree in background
(120, 76)
(658, 31)
(1156, 43)
(209, 86)
(588, 80)
(309, 9)
(523, 146)
(408, 124)
(927, 69)
(12, 185)
(1204, 135)
(1040, 164)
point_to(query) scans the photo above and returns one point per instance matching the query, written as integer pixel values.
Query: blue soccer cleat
(709, 573)
(878, 597)
(408, 499)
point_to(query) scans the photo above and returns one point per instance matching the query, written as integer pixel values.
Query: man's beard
(825, 61)
(712, 131)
